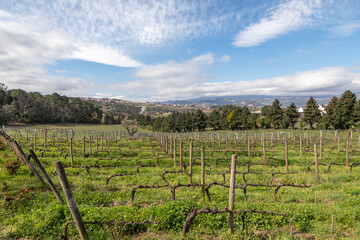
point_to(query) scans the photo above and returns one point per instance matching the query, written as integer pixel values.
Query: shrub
(11, 165)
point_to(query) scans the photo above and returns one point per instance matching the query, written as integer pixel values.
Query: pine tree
(276, 114)
(291, 115)
(312, 113)
(356, 113)
(329, 117)
(344, 110)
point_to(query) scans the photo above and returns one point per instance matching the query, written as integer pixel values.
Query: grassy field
(29, 210)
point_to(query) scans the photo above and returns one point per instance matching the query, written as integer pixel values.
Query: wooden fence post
(71, 200)
(316, 162)
(203, 172)
(232, 193)
(28, 163)
(174, 152)
(190, 162)
(71, 153)
(264, 150)
(181, 157)
(347, 153)
(286, 156)
(46, 176)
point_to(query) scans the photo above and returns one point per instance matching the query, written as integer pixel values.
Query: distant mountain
(250, 100)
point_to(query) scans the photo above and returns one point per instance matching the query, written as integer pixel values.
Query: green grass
(36, 214)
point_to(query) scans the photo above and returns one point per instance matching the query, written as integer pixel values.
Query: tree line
(340, 113)
(17, 105)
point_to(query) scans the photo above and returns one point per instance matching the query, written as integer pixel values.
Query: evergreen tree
(356, 113)
(199, 119)
(291, 115)
(214, 120)
(276, 114)
(312, 113)
(344, 110)
(329, 116)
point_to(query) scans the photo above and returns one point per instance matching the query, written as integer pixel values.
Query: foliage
(291, 115)
(312, 113)
(17, 105)
(276, 114)
(344, 110)
(10, 164)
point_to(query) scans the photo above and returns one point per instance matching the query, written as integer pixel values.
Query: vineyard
(241, 184)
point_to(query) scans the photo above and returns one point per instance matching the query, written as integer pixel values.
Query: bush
(11, 165)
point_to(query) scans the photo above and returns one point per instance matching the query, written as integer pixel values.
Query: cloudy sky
(161, 50)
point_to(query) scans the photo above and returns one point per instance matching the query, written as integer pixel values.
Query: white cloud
(347, 29)
(129, 22)
(323, 81)
(152, 79)
(103, 54)
(288, 16)
(225, 58)
(24, 52)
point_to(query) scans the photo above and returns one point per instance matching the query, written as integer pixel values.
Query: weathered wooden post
(171, 146)
(347, 153)
(83, 150)
(232, 193)
(90, 143)
(174, 153)
(27, 162)
(190, 162)
(71, 153)
(46, 176)
(35, 139)
(71, 200)
(321, 145)
(286, 156)
(264, 150)
(316, 162)
(203, 172)
(45, 140)
(248, 145)
(301, 148)
(181, 157)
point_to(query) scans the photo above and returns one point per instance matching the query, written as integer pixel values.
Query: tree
(330, 109)
(276, 114)
(312, 113)
(291, 115)
(356, 113)
(214, 120)
(344, 110)
(130, 126)
(199, 120)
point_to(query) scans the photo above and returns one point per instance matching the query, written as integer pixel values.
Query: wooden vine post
(46, 176)
(174, 152)
(83, 146)
(181, 157)
(203, 173)
(71, 200)
(190, 162)
(71, 153)
(347, 153)
(264, 150)
(232, 193)
(286, 156)
(316, 163)
(27, 162)
(248, 145)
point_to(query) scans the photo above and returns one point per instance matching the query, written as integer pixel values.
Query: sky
(153, 51)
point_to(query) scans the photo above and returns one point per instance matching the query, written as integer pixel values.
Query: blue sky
(162, 50)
